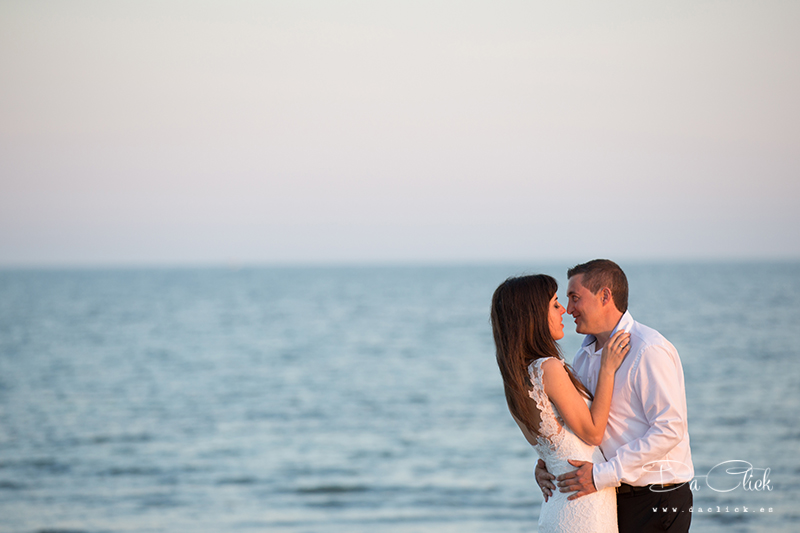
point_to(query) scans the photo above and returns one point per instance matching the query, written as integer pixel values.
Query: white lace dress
(556, 443)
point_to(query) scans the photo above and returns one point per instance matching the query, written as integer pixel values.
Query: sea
(352, 399)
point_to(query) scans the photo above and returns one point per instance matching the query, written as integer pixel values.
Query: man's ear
(606, 296)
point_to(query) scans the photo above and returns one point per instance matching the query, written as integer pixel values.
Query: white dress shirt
(647, 437)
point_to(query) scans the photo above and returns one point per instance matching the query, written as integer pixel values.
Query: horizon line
(373, 263)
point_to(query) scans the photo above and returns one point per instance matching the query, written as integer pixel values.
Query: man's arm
(657, 384)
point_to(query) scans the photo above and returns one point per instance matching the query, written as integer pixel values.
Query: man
(646, 443)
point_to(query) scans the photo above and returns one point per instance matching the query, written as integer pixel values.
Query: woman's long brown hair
(521, 328)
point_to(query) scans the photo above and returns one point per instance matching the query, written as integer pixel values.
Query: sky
(272, 132)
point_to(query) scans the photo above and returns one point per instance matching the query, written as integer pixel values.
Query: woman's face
(555, 314)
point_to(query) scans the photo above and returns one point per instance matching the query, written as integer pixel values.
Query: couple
(613, 430)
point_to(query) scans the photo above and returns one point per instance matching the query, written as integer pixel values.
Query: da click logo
(726, 476)
(730, 475)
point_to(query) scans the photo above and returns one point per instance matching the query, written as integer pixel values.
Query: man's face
(584, 307)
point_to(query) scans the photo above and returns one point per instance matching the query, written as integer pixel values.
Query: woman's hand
(615, 351)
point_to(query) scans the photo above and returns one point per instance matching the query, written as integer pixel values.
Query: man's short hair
(600, 273)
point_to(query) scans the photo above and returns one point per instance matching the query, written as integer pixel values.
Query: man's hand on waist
(579, 481)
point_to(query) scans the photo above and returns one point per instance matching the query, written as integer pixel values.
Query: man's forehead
(574, 284)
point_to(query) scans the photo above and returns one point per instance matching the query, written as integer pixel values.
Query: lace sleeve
(550, 424)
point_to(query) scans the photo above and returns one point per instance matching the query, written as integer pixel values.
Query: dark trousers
(644, 511)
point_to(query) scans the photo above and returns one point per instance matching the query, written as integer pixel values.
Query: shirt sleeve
(657, 384)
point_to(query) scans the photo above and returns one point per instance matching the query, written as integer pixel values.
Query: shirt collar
(625, 323)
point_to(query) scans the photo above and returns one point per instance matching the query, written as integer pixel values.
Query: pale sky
(294, 131)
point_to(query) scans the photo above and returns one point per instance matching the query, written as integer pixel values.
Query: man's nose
(570, 308)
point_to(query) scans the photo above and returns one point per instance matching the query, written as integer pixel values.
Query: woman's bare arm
(588, 424)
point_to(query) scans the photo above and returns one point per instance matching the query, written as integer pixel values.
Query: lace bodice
(556, 444)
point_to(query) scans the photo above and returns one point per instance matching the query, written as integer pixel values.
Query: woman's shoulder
(543, 365)
(551, 362)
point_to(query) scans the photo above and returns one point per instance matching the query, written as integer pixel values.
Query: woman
(550, 405)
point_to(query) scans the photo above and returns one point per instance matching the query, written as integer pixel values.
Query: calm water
(348, 399)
